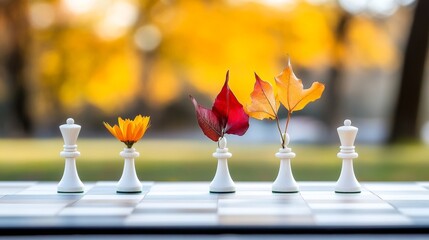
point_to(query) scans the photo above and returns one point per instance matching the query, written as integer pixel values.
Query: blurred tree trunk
(15, 15)
(331, 117)
(405, 119)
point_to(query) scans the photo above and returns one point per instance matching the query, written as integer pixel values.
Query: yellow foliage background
(83, 58)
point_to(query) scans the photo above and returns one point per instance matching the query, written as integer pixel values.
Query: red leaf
(208, 121)
(232, 118)
(227, 115)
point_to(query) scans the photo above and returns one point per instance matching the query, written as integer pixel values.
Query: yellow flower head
(129, 131)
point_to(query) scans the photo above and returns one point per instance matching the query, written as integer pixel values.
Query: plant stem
(287, 125)
(280, 131)
(129, 144)
(221, 136)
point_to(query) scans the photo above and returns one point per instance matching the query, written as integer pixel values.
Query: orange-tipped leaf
(291, 92)
(265, 103)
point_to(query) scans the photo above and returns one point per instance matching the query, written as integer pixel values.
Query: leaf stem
(221, 136)
(286, 127)
(280, 131)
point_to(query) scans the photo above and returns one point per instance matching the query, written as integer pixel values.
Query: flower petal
(119, 135)
(129, 131)
(121, 123)
(110, 128)
(129, 134)
(139, 133)
(143, 127)
(125, 129)
(138, 118)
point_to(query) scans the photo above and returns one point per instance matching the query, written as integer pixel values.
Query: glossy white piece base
(285, 182)
(70, 182)
(222, 181)
(129, 182)
(347, 183)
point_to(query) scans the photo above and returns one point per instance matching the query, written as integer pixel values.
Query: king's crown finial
(70, 131)
(347, 133)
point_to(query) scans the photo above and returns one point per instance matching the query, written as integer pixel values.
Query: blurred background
(95, 60)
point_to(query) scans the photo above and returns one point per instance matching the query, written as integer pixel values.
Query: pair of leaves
(290, 92)
(226, 116)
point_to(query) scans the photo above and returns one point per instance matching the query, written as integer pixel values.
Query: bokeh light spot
(353, 6)
(147, 38)
(41, 15)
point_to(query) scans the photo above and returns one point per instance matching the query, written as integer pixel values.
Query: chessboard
(188, 208)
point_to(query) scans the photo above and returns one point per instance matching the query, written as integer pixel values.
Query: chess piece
(347, 183)
(129, 182)
(285, 182)
(222, 181)
(70, 182)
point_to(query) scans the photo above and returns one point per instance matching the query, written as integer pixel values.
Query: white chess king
(70, 182)
(347, 183)
(222, 181)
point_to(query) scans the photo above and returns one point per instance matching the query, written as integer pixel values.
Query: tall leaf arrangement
(227, 115)
(289, 91)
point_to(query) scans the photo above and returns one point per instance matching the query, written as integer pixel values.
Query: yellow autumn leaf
(265, 103)
(291, 92)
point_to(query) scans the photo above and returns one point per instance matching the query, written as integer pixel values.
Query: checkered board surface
(190, 205)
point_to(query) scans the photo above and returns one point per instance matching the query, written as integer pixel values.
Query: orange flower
(129, 131)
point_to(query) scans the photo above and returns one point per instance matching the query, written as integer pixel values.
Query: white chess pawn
(129, 182)
(70, 182)
(347, 183)
(222, 181)
(285, 182)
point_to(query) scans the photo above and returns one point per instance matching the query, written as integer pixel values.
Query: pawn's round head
(285, 137)
(70, 121)
(222, 143)
(347, 122)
